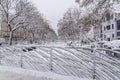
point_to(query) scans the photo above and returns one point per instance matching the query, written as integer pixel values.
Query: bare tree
(72, 26)
(20, 16)
(98, 3)
(97, 8)
(13, 12)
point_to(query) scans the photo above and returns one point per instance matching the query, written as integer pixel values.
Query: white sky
(53, 10)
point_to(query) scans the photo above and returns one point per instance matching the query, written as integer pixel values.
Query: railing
(107, 63)
(77, 61)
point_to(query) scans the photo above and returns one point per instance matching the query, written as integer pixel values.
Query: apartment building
(110, 26)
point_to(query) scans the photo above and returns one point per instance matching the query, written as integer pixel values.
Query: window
(101, 35)
(118, 33)
(108, 27)
(108, 16)
(108, 39)
(101, 30)
(104, 36)
(118, 25)
(104, 28)
(112, 35)
(112, 26)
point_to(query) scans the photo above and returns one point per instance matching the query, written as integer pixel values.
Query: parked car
(113, 45)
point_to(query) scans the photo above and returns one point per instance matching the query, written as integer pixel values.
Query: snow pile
(9, 73)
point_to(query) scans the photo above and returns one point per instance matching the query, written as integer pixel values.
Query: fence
(77, 61)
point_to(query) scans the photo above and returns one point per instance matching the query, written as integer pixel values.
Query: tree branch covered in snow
(21, 19)
(73, 25)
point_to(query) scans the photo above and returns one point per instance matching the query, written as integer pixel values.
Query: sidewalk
(9, 73)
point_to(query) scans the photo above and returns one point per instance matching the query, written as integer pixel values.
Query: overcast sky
(53, 10)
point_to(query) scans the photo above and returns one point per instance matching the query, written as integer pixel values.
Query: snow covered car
(101, 44)
(114, 45)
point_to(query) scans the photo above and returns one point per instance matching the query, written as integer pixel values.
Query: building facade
(110, 26)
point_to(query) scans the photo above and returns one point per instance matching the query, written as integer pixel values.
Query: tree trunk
(32, 37)
(10, 38)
